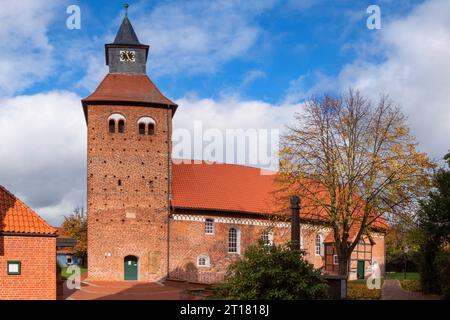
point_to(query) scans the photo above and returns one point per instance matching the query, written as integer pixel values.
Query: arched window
(233, 240)
(319, 245)
(116, 118)
(203, 261)
(151, 129)
(141, 128)
(112, 126)
(146, 125)
(121, 126)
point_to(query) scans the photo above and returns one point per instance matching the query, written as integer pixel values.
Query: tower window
(146, 125)
(116, 118)
(151, 129)
(112, 126)
(141, 128)
(121, 126)
(119, 183)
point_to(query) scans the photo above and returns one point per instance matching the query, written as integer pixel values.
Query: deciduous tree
(75, 226)
(352, 162)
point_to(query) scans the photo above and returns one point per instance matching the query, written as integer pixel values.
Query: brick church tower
(129, 167)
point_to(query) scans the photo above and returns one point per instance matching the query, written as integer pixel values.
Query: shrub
(411, 285)
(357, 290)
(273, 273)
(442, 263)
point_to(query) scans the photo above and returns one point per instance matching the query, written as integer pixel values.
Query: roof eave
(85, 102)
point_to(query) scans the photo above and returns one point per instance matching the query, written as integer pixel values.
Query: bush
(273, 273)
(429, 274)
(357, 290)
(411, 285)
(442, 264)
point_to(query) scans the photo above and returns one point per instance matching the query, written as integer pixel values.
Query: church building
(151, 217)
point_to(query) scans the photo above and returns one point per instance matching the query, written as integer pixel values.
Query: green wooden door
(130, 268)
(360, 269)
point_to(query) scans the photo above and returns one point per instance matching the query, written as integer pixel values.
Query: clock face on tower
(127, 56)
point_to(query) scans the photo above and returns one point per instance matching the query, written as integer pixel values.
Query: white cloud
(415, 72)
(251, 76)
(232, 113)
(26, 50)
(43, 153)
(198, 36)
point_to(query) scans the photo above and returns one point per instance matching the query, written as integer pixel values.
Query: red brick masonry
(37, 280)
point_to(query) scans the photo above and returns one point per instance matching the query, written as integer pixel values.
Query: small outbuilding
(27, 252)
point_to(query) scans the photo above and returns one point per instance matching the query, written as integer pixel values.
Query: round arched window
(203, 261)
(147, 125)
(116, 123)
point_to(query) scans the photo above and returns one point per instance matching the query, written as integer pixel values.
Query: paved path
(131, 290)
(393, 291)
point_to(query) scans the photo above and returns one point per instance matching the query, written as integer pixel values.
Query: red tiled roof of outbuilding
(17, 217)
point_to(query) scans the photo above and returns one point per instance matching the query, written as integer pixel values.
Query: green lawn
(65, 275)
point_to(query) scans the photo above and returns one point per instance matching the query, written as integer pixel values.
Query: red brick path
(111, 290)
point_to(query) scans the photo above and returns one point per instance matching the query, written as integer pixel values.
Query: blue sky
(227, 63)
(292, 39)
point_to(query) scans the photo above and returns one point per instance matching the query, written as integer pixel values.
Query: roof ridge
(218, 163)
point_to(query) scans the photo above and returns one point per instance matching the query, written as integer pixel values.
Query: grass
(357, 290)
(411, 283)
(65, 275)
(401, 276)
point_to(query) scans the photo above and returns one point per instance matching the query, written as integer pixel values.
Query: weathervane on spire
(126, 6)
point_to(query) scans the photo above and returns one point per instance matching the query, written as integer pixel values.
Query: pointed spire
(126, 6)
(126, 34)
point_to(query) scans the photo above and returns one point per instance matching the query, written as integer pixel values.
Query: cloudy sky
(229, 64)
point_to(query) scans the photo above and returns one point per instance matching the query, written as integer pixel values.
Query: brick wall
(127, 219)
(37, 280)
(189, 241)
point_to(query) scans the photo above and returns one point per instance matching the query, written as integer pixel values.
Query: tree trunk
(344, 262)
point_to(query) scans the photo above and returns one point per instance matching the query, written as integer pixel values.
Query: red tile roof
(128, 88)
(229, 187)
(16, 216)
(224, 187)
(60, 232)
